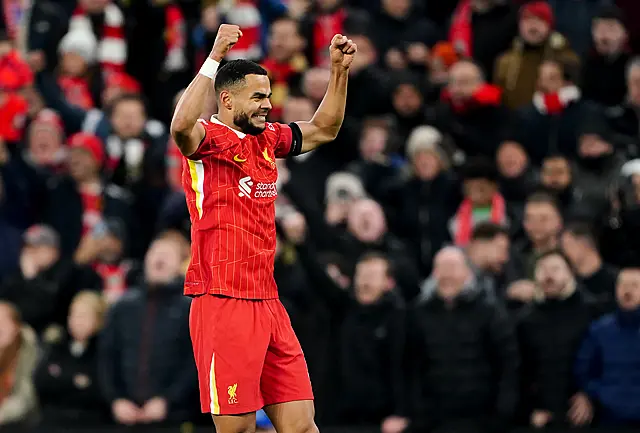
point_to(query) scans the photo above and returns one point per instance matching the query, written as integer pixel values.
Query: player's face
(251, 104)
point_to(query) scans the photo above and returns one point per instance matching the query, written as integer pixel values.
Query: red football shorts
(247, 355)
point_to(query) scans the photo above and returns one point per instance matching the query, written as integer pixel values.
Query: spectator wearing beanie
(516, 71)
(421, 206)
(77, 54)
(603, 72)
(112, 46)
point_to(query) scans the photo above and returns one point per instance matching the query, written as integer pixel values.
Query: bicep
(190, 142)
(312, 136)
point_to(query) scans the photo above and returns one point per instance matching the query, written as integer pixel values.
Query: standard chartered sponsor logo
(259, 190)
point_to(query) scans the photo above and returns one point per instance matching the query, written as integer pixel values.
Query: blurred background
(464, 257)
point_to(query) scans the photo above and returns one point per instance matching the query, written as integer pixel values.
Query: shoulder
(603, 324)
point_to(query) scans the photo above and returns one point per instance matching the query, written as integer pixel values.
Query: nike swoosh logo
(237, 158)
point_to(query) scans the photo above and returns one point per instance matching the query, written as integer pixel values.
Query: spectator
(88, 198)
(625, 121)
(77, 56)
(443, 57)
(149, 376)
(596, 277)
(550, 335)
(488, 255)
(369, 327)
(603, 73)
(542, 225)
(551, 122)
(46, 282)
(66, 378)
(557, 179)
(408, 103)
(18, 358)
(427, 200)
(104, 251)
(517, 177)
(464, 380)
(482, 201)
(606, 368)
(471, 111)
(597, 164)
(403, 38)
(482, 30)
(285, 61)
(11, 240)
(516, 71)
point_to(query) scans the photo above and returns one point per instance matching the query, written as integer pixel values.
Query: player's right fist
(228, 35)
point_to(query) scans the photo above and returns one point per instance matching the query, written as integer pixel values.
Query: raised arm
(185, 128)
(326, 122)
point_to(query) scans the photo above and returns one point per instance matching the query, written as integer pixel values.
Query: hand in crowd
(394, 424)
(155, 410)
(295, 227)
(581, 411)
(126, 412)
(540, 418)
(36, 60)
(89, 249)
(522, 290)
(336, 213)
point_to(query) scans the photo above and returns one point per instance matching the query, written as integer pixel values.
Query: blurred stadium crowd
(464, 257)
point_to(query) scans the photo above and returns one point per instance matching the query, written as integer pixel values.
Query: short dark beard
(243, 121)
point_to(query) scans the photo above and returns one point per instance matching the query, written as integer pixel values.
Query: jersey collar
(214, 119)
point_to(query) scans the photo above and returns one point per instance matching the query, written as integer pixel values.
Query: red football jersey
(230, 186)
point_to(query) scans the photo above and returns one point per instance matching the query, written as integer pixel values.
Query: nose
(266, 104)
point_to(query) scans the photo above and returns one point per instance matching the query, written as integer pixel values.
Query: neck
(545, 244)
(89, 182)
(226, 117)
(589, 265)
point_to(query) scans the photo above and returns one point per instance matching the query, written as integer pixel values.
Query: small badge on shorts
(231, 390)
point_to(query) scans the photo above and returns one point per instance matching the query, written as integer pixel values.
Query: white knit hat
(426, 139)
(344, 185)
(81, 42)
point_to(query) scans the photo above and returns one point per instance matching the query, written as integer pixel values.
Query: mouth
(260, 117)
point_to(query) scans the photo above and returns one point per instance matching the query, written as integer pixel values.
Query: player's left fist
(342, 51)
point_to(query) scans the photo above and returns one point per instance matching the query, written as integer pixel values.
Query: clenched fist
(226, 38)
(342, 51)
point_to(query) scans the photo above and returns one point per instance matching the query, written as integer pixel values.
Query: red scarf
(112, 47)
(555, 103)
(464, 218)
(325, 27)
(460, 32)
(175, 28)
(92, 205)
(114, 279)
(487, 95)
(245, 13)
(76, 91)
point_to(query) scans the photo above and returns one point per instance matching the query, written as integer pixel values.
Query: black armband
(296, 139)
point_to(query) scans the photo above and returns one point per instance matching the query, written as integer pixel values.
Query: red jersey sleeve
(288, 140)
(216, 139)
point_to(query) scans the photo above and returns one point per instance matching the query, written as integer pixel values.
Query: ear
(390, 284)
(226, 100)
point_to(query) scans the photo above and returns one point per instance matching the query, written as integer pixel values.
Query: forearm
(330, 114)
(191, 105)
